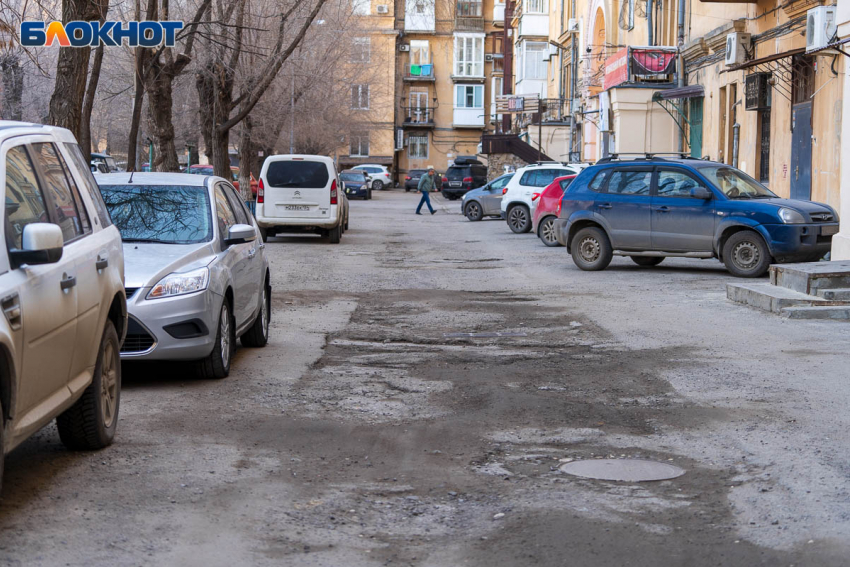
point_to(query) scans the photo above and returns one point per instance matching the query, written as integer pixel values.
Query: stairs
(811, 290)
(511, 144)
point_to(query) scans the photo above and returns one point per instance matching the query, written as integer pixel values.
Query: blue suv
(653, 207)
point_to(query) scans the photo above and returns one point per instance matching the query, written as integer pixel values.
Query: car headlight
(790, 216)
(180, 284)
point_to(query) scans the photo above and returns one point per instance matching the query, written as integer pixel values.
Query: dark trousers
(426, 200)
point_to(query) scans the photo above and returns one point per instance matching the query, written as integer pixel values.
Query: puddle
(625, 470)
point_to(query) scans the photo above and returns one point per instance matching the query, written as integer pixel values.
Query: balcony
(468, 118)
(469, 16)
(499, 14)
(419, 16)
(418, 117)
(414, 73)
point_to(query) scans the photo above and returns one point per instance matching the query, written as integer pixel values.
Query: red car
(548, 204)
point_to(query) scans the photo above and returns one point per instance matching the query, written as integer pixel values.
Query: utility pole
(292, 117)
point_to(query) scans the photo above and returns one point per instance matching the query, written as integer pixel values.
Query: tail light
(333, 193)
(261, 192)
(505, 190)
(559, 208)
(467, 180)
(407, 178)
(445, 179)
(535, 196)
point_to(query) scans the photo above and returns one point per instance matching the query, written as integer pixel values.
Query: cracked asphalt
(371, 432)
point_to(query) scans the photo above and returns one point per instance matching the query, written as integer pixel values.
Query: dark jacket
(426, 183)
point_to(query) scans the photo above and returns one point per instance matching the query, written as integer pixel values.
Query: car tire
(2, 445)
(473, 211)
(519, 219)
(546, 231)
(264, 234)
(91, 422)
(746, 254)
(258, 335)
(407, 189)
(647, 261)
(217, 364)
(378, 185)
(335, 234)
(591, 249)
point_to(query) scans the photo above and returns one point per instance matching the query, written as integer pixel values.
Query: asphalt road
(362, 435)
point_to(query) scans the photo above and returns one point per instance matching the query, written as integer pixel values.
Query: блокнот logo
(110, 34)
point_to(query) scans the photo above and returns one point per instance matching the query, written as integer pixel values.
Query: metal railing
(419, 72)
(469, 16)
(415, 115)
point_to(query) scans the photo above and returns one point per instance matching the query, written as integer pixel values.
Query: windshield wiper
(741, 196)
(154, 240)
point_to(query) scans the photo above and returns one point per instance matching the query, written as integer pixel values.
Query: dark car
(356, 184)
(653, 207)
(411, 180)
(466, 174)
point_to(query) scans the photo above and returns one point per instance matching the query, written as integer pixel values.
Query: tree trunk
(88, 104)
(12, 89)
(136, 120)
(160, 102)
(246, 160)
(221, 159)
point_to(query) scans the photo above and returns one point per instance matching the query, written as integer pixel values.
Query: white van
(298, 193)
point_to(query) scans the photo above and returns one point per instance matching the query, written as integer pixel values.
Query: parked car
(355, 184)
(517, 206)
(197, 274)
(299, 193)
(106, 160)
(98, 167)
(652, 208)
(546, 210)
(62, 289)
(204, 169)
(411, 180)
(484, 201)
(381, 177)
(466, 174)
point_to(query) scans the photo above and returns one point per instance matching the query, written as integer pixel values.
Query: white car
(517, 205)
(62, 290)
(380, 175)
(301, 193)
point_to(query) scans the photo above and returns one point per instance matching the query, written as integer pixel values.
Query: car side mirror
(41, 243)
(701, 193)
(240, 234)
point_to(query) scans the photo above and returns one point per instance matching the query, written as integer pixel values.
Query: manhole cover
(627, 470)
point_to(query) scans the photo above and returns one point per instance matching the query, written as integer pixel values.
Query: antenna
(131, 176)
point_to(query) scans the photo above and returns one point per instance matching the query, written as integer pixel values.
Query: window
(469, 9)
(361, 50)
(566, 183)
(360, 97)
(764, 145)
(499, 184)
(535, 7)
(420, 52)
(420, 7)
(361, 7)
(495, 92)
(224, 214)
(24, 201)
(673, 183)
(236, 204)
(359, 145)
(533, 65)
(598, 183)
(630, 182)
(88, 180)
(417, 147)
(75, 192)
(64, 200)
(301, 174)
(539, 177)
(469, 96)
(469, 55)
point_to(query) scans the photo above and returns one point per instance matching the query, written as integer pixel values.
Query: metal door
(419, 106)
(696, 127)
(801, 151)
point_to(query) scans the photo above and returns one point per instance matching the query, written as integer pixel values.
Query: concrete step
(838, 294)
(769, 297)
(809, 277)
(817, 312)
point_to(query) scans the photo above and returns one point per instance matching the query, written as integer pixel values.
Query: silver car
(196, 273)
(485, 201)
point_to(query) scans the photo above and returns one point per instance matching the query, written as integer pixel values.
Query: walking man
(427, 183)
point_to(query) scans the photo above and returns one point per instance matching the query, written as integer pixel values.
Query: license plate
(297, 208)
(829, 230)
(455, 184)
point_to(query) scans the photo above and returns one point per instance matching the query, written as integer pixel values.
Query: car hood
(808, 207)
(474, 193)
(145, 263)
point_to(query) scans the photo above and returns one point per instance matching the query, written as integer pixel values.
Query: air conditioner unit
(488, 57)
(382, 9)
(404, 47)
(820, 27)
(572, 25)
(737, 46)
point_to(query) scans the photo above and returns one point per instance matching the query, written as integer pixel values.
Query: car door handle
(663, 209)
(604, 205)
(102, 263)
(67, 282)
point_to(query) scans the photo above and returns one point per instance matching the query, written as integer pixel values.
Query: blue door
(680, 223)
(624, 204)
(801, 151)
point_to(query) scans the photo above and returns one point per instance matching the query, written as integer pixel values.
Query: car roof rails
(644, 156)
(467, 160)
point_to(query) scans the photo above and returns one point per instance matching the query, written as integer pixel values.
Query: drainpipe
(649, 9)
(736, 135)
(680, 43)
(573, 68)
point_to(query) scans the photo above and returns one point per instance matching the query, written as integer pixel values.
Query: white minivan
(298, 193)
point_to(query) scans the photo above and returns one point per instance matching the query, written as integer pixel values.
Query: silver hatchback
(197, 276)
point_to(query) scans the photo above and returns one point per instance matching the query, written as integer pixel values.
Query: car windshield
(356, 177)
(170, 214)
(302, 173)
(201, 170)
(734, 183)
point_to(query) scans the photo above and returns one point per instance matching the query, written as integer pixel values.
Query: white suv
(380, 175)
(517, 202)
(61, 292)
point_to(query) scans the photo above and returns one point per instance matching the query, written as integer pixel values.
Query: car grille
(138, 338)
(130, 291)
(822, 217)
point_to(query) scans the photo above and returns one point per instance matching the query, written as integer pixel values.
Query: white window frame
(421, 142)
(359, 140)
(540, 66)
(474, 88)
(362, 92)
(535, 7)
(361, 7)
(416, 45)
(468, 44)
(361, 50)
(495, 93)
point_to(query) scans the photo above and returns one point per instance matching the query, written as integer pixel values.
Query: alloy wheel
(589, 249)
(265, 313)
(224, 331)
(746, 255)
(518, 218)
(548, 231)
(473, 210)
(108, 384)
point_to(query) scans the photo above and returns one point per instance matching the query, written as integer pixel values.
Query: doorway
(803, 86)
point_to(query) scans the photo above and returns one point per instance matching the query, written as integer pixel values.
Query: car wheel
(377, 185)
(546, 232)
(258, 335)
(407, 189)
(473, 211)
(647, 261)
(519, 219)
(591, 249)
(264, 234)
(335, 234)
(746, 254)
(91, 422)
(217, 364)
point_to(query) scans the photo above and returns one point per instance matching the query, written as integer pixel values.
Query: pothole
(625, 470)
